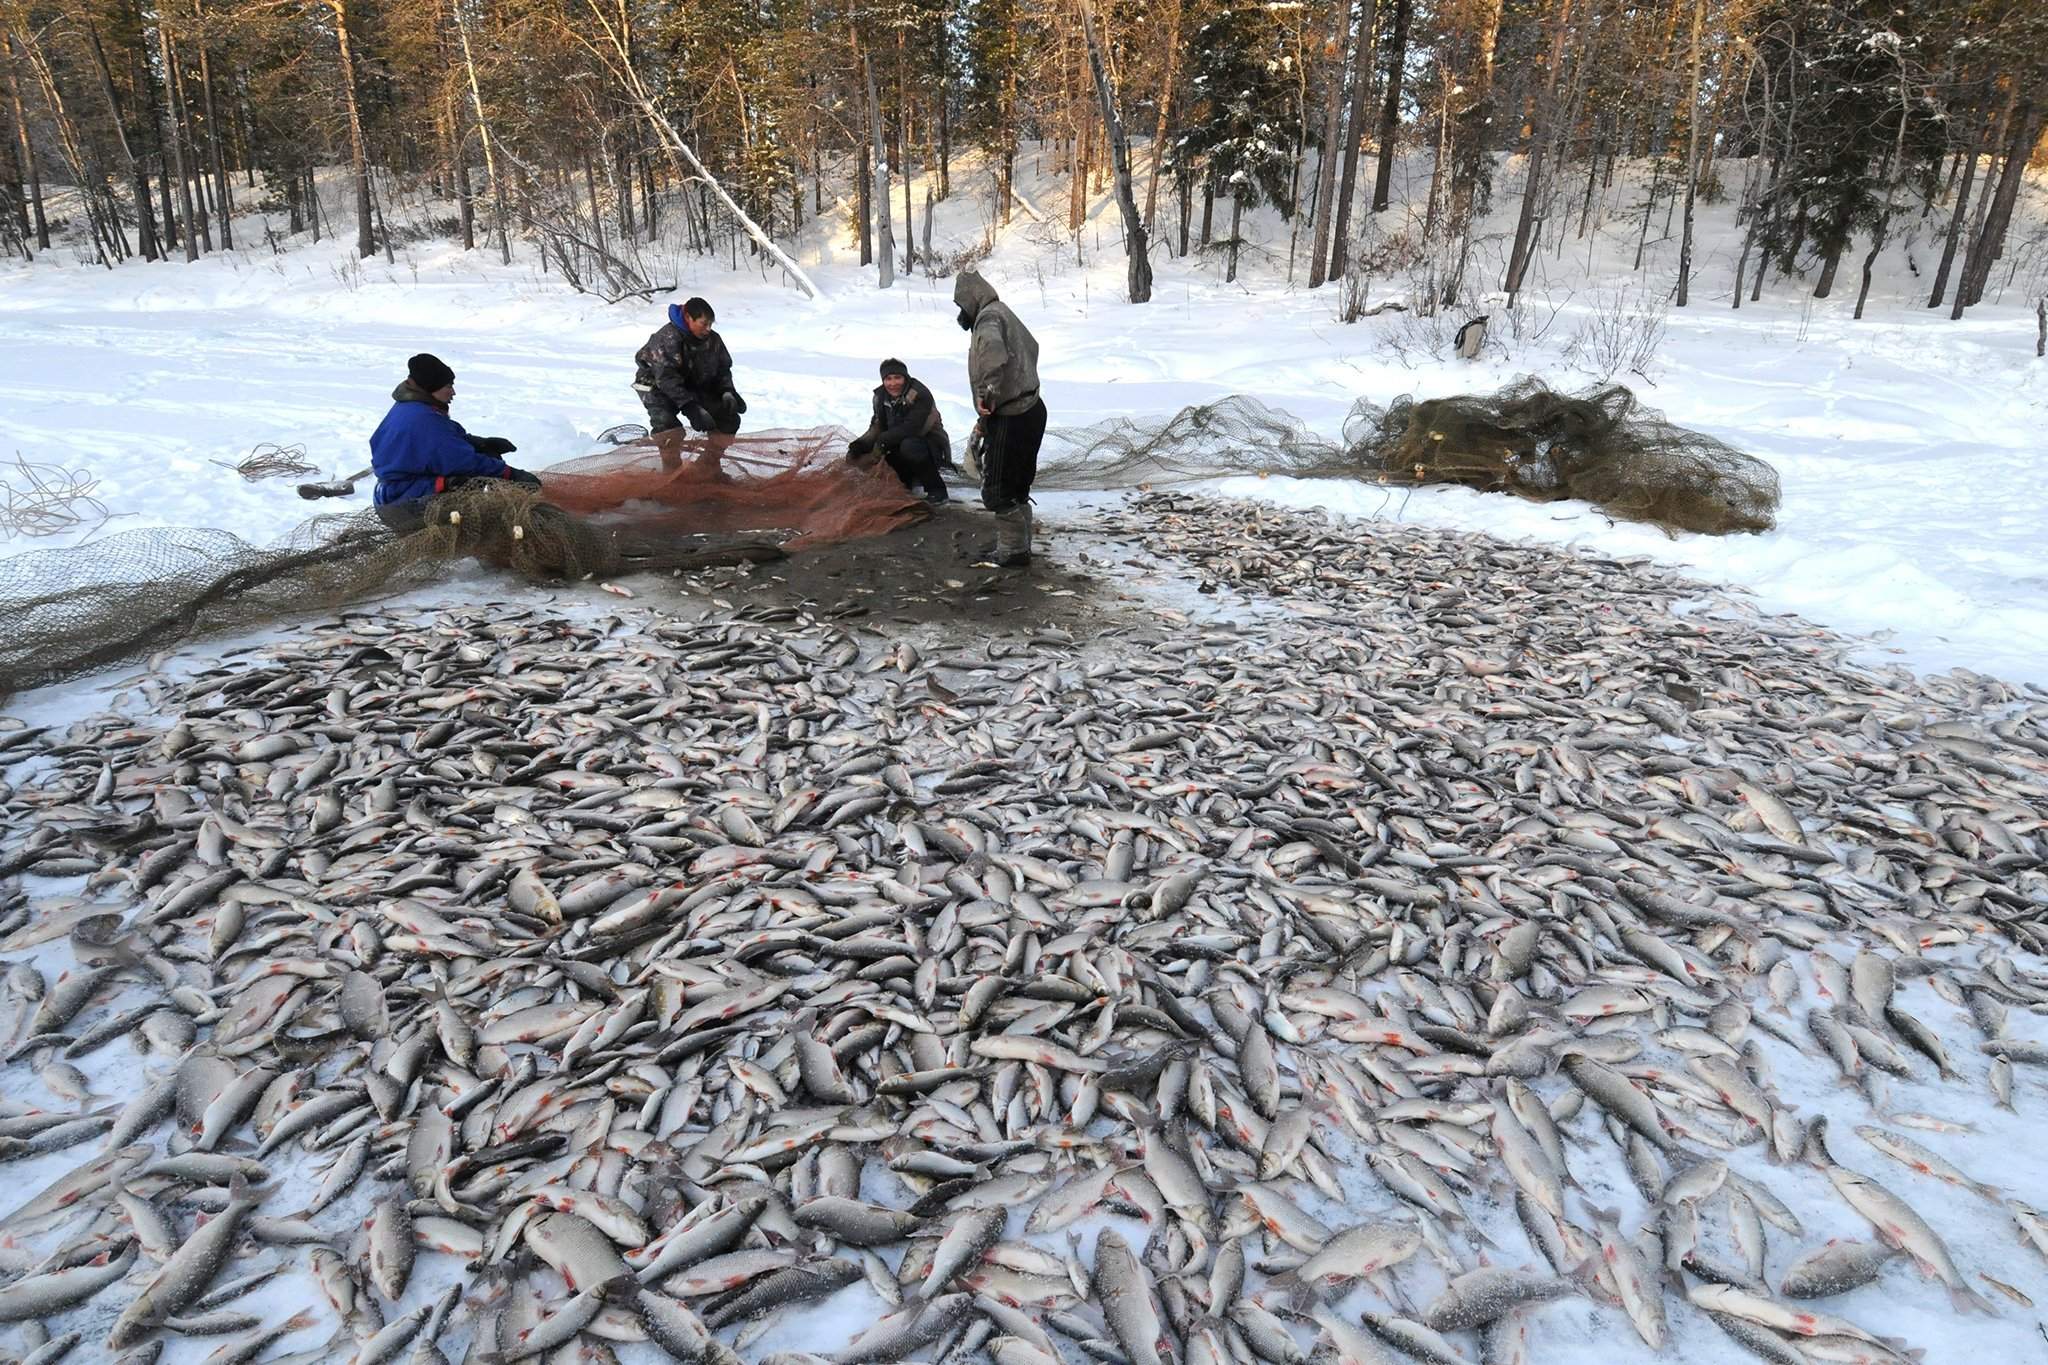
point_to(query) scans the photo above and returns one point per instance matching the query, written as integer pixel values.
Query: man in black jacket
(907, 429)
(684, 374)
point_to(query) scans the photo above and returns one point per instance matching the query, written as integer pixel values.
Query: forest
(591, 131)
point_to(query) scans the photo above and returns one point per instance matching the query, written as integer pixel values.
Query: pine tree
(1240, 77)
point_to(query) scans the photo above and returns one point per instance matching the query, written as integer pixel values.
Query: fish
(1835, 1267)
(1900, 1226)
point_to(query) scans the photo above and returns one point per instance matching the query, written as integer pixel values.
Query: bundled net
(1601, 447)
(654, 505)
(793, 485)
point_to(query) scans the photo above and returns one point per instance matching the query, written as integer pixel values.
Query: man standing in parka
(1002, 370)
(418, 450)
(684, 374)
(909, 432)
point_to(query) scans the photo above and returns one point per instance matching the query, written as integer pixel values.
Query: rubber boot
(1013, 536)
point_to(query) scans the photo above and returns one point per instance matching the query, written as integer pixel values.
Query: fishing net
(795, 485)
(673, 503)
(680, 501)
(1601, 447)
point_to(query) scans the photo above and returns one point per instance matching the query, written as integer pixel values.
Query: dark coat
(418, 448)
(681, 367)
(896, 420)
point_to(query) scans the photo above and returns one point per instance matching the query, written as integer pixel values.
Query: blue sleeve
(452, 453)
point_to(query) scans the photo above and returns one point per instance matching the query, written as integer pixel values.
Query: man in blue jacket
(418, 450)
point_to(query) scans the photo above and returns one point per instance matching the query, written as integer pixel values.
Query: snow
(1909, 449)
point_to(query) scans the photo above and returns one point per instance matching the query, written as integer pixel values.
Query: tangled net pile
(672, 503)
(1602, 447)
(271, 461)
(46, 499)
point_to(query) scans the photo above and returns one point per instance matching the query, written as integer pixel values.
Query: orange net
(794, 486)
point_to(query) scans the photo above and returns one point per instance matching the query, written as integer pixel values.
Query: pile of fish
(1420, 965)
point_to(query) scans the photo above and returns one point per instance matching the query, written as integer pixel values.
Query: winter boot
(1013, 536)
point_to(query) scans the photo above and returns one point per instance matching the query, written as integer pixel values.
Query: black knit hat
(429, 373)
(894, 366)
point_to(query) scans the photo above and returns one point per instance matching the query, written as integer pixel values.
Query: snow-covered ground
(1909, 446)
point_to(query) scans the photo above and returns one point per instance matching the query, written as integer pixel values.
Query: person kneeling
(907, 429)
(418, 450)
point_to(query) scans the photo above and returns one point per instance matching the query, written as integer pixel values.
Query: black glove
(733, 403)
(522, 478)
(859, 445)
(696, 416)
(492, 445)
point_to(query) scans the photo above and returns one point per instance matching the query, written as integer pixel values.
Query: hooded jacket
(1002, 355)
(683, 368)
(896, 420)
(418, 448)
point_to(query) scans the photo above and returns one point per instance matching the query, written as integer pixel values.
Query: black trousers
(663, 416)
(916, 462)
(1009, 456)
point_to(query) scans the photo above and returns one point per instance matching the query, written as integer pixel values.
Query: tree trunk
(31, 173)
(358, 151)
(158, 127)
(223, 195)
(1333, 132)
(1539, 144)
(107, 240)
(1955, 220)
(1830, 262)
(885, 247)
(1649, 208)
(1660, 130)
(1354, 133)
(1390, 112)
(1186, 186)
(864, 184)
(945, 119)
(903, 161)
(483, 128)
(1083, 141)
(1138, 275)
(1990, 243)
(458, 160)
(1592, 179)
(1236, 221)
(191, 196)
(1692, 171)
(1165, 107)
(596, 210)
(1474, 120)
(1884, 225)
(145, 220)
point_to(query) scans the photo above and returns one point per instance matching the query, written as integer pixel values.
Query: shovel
(339, 488)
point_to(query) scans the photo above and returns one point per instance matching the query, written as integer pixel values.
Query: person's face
(699, 327)
(445, 394)
(894, 384)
